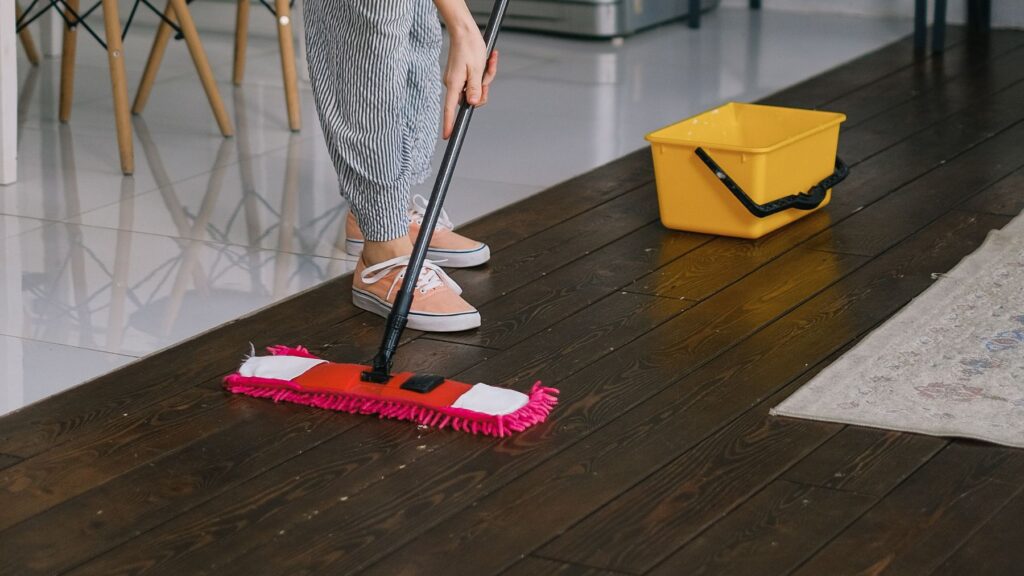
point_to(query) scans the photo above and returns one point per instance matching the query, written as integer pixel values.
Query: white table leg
(8, 94)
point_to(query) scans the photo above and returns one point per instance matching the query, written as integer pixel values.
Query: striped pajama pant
(376, 79)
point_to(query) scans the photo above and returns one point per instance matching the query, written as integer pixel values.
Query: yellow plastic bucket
(744, 169)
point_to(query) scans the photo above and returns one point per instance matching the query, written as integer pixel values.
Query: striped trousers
(376, 79)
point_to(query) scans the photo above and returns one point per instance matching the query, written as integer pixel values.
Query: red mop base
(451, 404)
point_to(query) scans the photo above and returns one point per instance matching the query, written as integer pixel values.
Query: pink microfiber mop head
(295, 375)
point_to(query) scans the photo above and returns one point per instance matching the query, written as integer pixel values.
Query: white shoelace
(431, 276)
(419, 210)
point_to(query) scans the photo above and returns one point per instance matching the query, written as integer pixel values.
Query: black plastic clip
(422, 383)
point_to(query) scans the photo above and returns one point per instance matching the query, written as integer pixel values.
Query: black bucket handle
(802, 201)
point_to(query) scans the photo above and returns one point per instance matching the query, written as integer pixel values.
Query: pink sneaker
(436, 303)
(446, 247)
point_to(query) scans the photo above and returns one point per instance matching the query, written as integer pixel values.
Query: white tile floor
(99, 269)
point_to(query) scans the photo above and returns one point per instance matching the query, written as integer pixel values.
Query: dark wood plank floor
(669, 349)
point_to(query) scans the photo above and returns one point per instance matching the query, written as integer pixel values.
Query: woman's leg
(423, 108)
(360, 56)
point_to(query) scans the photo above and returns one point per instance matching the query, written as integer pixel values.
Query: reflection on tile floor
(133, 293)
(99, 269)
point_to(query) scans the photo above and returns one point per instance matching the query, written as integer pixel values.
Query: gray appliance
(595, 18)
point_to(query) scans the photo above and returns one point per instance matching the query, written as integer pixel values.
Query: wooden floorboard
(669, 349)
(873, 230)
(1003, 197)
(769, 533)
(522, 313)
(958, 73)
(532, 566)
(681, 498)
(935, 100)
(865, 460)
(861, 72)
(917, 525)
(8, 460)
(995, 548)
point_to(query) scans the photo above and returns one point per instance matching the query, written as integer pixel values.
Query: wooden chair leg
(26, 38)
(156, 56)
(67, 65)
(195, 48)
(291, 80)
(119, 84)
(241, 39)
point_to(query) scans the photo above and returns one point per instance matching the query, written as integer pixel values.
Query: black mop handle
(400, 310)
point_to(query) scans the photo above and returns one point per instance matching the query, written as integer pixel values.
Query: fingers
(492, 68)
(489, 74)
(451, 105)
(474, 86)
(451, 102)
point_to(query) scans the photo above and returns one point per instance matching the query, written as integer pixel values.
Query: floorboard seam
(951, 209)
(693, 369)
(580, 564)
(610, 292)
(760, 404)
(184, 510)
(433, 337)
(937, 122)
(879, 499)
(866, 511)
(662, 296)
(930, 60)
(927, 58)
(902, 186)
(970, 533)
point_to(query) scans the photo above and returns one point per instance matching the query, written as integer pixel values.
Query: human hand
(469, 71)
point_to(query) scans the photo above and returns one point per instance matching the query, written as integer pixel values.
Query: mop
(292, 374)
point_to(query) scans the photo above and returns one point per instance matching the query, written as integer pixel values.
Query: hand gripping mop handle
(400, 311)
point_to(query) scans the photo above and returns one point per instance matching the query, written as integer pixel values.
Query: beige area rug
(951, 363)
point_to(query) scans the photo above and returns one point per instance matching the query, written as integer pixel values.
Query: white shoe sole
(418, 321)
(446, 258)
